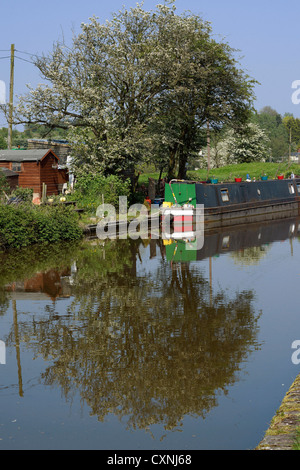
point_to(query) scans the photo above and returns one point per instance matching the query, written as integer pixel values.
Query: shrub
(4, 186)
(90, 188)
(24, 225)
(16, 227)
(23, 193)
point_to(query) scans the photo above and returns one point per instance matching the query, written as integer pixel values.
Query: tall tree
(272, 123)
(138, 85)
(292, 126)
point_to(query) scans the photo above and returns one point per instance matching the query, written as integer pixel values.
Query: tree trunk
(183, 157)
(172, 162)
(184, 152)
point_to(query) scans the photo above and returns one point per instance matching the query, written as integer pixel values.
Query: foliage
(138, 87)
(3, 143)
(32, 131)
(292, 126)
(19, 138)
(24, 225)
(247, 145)
(272, 123)
(4, 186)
(23, 193)
(91, 190)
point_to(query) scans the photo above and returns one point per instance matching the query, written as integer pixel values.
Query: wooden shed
(35, 167)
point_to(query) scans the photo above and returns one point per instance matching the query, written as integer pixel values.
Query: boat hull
(227, 204)
(243, 215)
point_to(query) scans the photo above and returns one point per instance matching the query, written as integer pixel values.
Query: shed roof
(24, 155)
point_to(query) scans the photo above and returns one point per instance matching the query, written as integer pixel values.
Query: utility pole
(290, 144)
(11, 95)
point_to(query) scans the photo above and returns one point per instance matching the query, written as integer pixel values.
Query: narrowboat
(231, 203)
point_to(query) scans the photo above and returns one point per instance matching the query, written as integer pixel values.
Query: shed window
(224, 195)
(291, 188)
(16, 166)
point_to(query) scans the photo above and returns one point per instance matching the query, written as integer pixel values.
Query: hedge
(23, 225)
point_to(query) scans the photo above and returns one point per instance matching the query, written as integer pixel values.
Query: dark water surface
(146, 345)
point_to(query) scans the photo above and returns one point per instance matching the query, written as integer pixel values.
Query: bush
(24, 225)
(90, 188)
(4, 186)
(23, 193)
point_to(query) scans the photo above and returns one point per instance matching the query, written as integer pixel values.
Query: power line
(21, 52)
(25, 60)
(21, 58)
(27, 53)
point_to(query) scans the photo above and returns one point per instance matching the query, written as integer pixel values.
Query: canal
(146, 344)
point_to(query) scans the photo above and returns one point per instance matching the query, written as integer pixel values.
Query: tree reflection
(149, 348)
(250, 256)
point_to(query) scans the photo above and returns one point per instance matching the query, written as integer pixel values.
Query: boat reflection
(180, 245)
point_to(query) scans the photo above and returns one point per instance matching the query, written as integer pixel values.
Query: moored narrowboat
(231, 203)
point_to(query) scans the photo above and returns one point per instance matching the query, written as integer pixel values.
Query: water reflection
(149, 346)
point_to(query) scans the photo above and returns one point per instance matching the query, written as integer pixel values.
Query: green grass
(228, 173)
(297, 440)
(256, 169)
(143, 178)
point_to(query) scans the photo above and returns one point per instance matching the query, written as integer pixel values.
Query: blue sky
(265, 32)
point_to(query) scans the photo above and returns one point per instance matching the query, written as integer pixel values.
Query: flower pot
(264, 178)
(214, 180)
(280, 177)
(238, 180)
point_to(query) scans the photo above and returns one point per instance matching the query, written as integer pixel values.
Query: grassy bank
(228, 173)
(256, 169)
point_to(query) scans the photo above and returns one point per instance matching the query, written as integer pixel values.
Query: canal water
(146, 344)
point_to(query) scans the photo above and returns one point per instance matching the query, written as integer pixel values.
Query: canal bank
(282, 433)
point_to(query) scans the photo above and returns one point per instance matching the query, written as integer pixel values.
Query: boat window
(291, 188)
(225, 195)
(298, 187)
